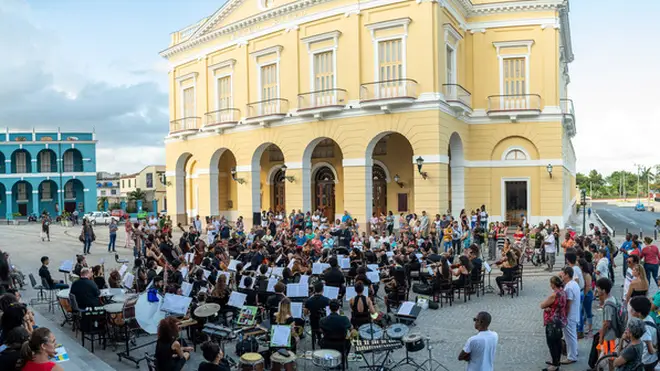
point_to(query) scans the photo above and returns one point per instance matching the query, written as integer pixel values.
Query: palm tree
(136, 195)
(100, 202)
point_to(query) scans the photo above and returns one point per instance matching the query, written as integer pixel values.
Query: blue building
(47, 170)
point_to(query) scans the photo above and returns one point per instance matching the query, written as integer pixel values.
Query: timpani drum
(119, 298)
(369, 331)
(115, 312)
(326, 358)
(63, 299)
(413, 342)
(397, 331)
(251, 362)
(281, 362)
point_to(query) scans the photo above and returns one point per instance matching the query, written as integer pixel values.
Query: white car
(100, 217)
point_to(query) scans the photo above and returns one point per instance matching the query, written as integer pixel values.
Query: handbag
(81, 238)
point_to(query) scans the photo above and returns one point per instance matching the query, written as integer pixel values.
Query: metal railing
(75, 167)
(567, 107)
(457, 93)
(222, 116)
(516, 102)
(18, 169)
(322, 98)
(70, 195)
(388, 89)
(186, 123)
(275, 106)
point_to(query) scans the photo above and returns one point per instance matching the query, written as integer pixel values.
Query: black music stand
(489, 289)
(409, 319)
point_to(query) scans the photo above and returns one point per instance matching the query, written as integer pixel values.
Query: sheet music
(487, 266)
(278, 272)
(419, 256)
(175, 304)
(406, 308)
(66, 266)
(232, 265)
(389, 254)
(345, 263)
(281, 336)
(372, 267)
(318, 268)
(271, 284)
(189, 257)
(350, 292)
(186, 288)
(430, 270)
(297, 310)
(207, 273)
(330, 292)
(290, 265)
(123, 270)
(184, 272)
(128, 280)
(296, 290)
(374, 277)
(304, 280)
(278, 259)
(327, 311)
(203, 289)
(159, 269)
(237, 299)
(242, 284)
(248, 265)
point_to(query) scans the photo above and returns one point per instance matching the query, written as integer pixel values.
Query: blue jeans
(651, 271)
(446, 245)
(113, 239)
(586, 311)
(87, 244)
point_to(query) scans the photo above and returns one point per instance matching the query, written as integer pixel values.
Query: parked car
(100, 217)
(640, 207)
(119, 213)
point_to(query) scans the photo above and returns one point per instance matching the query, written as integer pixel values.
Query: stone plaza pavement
(518, 321)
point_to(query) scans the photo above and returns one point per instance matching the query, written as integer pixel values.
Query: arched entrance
(324, 191)
(46, 161)
(48, 197)
(72, 161)
(3, 201)
(456, 174)
(223, 189)
(21, 162)
(278, 191)
(379, 190)
(21, 194)
(74, 196)
(267, 156)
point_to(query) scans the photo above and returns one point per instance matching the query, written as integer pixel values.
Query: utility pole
(624, 185)
(584, 212)
(637, 182)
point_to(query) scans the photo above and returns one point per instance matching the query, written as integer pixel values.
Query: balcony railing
(74, 167)
(567, 107)
(69, 195)
(268, 107)
(514, 103)
(568, 113)
(322, 99)
(389, 89)
(186, 124)
(457, 94)
(223, 117)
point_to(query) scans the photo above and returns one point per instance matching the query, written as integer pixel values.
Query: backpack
(657, 333)
(620, 318)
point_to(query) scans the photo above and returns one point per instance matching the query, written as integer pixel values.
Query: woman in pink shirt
(651, 257)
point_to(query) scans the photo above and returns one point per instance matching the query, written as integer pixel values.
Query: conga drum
(63, 299)
(251, 362)
(281, 362)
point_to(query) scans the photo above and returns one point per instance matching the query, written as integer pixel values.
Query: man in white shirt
(603, 265)
(479, 350)
(571, 261)
(550, 250)
(198, 224)
(573, 301)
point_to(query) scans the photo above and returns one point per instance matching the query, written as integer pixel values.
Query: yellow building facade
(150, 180)
(373, 106)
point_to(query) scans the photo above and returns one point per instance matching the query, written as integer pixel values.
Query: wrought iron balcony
(388, 93)
(568, 116)
(222, 119)
(266, 111)
(320, 102)
(457, 97)
(514, 106)
(185, 126)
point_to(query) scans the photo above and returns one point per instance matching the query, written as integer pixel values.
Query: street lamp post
(584, 212)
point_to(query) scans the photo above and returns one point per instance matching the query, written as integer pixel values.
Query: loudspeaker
(256, 218)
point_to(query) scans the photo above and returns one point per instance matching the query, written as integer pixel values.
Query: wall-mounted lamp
(233, 176)
(420, 162)
(288, 178)
(549, 168)
(397, 180)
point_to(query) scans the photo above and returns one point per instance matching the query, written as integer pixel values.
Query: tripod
(430, 362)
(409, 361)
(489, 289)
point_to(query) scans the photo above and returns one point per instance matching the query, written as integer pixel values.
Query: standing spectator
(602, 264)
(87, 236)
(640, 308)
(554, 319)
(570, 331)
(45, 226)
(607, 335)
(651, 257)
(479, 350)
(586, 313)
(74, 215)
(550, 249)
(113, 234)
(128, 227)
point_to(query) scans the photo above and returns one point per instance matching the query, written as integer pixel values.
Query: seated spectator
(214, 357)
(38, 350)
(171, 354)
(16, 315)
(44, 273)
(631, 356)
(85, 290)
(14, 341)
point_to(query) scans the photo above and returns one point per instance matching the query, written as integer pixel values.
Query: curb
(602, 222)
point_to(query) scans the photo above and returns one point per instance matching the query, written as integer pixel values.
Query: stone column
(10, 205)
(357, 190)
(247, 192)
(430, 194)
(293, 191)
(35, 202)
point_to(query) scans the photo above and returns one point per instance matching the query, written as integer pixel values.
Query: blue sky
(84, 63)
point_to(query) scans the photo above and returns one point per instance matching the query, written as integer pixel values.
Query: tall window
(224, 92)
(269, 89)
(122, 183)
(189, 102)
(45, 162)
(68, 191)
(390, 59)
(22, 191)
(515, 82)
(68, 161)
(129, 183)
(46, 191)
(21, 162)
(451, 66)
(324, 78)
(150, 180)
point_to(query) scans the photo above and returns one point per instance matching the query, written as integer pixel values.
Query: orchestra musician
(284, 317)
(114, 281)
(315, 309)
(99, 278)
(273, 302)
(361, 307)
(171, 352)
(214, 357)
(81, 263)
(335, 328)
(85, 290)
(334, 276)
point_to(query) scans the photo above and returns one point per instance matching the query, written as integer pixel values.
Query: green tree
(100, 202)
(136, 195)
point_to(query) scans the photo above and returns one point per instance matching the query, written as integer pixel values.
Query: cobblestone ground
(518, 320)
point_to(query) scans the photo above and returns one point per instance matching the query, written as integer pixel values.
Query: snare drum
(413, 342)
(397, 331)
(63, 298)
(115, 313)
(326, 358)
(283, 363)
(251, 362)
(370, 331)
